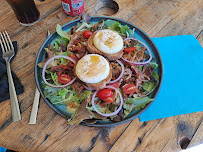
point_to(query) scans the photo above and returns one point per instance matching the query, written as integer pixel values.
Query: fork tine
(9, 39)
(2, 46)
(5, 37)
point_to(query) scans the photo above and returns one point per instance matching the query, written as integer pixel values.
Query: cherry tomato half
(115, 85)
(87, 34)
(129, 89)
(129, 49)
(109, 99)
(64, 78)
(104, 93)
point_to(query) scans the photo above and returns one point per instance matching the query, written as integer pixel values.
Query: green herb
(125, 29)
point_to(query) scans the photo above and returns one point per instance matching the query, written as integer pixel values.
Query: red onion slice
(110, 114)
(139, 63)
(122, 72)
(44, 69)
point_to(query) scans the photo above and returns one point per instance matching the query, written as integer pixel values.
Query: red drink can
(73, 7)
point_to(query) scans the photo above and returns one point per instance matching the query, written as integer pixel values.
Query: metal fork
(8, 53)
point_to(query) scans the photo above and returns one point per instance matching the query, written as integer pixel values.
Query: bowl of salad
(98, 71)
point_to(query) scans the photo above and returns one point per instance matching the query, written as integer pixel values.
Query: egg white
(108, 41)
(92, 68)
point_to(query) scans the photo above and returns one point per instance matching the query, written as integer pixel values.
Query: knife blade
(33, 115)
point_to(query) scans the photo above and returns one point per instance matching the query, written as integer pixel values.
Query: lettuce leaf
(135, 104)
(64, 95)
(81, 97)
(52, 94)
(54, 77)
(153, 65)
(139, 102)
(125, 29)
(84, 26)
(62, 33)
(149, 86)
(155, 75)
(127, 108)
(109, 23)
(81, 113)
(116, 26)
(102, 110)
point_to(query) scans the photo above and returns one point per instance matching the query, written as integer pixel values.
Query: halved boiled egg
(108, 41)
(92, 68)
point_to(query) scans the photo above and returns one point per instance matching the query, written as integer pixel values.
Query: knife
(33, 115)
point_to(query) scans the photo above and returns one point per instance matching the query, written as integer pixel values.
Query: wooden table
(157, 18)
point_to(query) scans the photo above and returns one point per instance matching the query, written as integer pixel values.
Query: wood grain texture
(158, 135)
(197, 138)
(8, 20)
(156, 18)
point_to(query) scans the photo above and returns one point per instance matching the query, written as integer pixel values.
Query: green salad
(131, 78)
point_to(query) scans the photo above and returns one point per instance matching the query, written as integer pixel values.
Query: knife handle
(33, 116)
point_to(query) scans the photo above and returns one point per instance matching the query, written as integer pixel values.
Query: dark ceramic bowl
(139, 34)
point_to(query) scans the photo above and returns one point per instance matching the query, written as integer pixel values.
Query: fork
(8, 53)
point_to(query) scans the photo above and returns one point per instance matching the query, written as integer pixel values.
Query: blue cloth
(182, 87)
(2, 149)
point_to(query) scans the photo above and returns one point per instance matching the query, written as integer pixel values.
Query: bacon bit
(135, 69)
(80, 55)
(83, 39)
(125, 96)
(147, 70)
(128, 73)
(144, 77)
(116, 70)
(79, 48)
(72, 105)
(57, 69)
(77, 86)
(130, 80)
(127, 42)
(102, 104)
(95, 26)
(76, 42)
